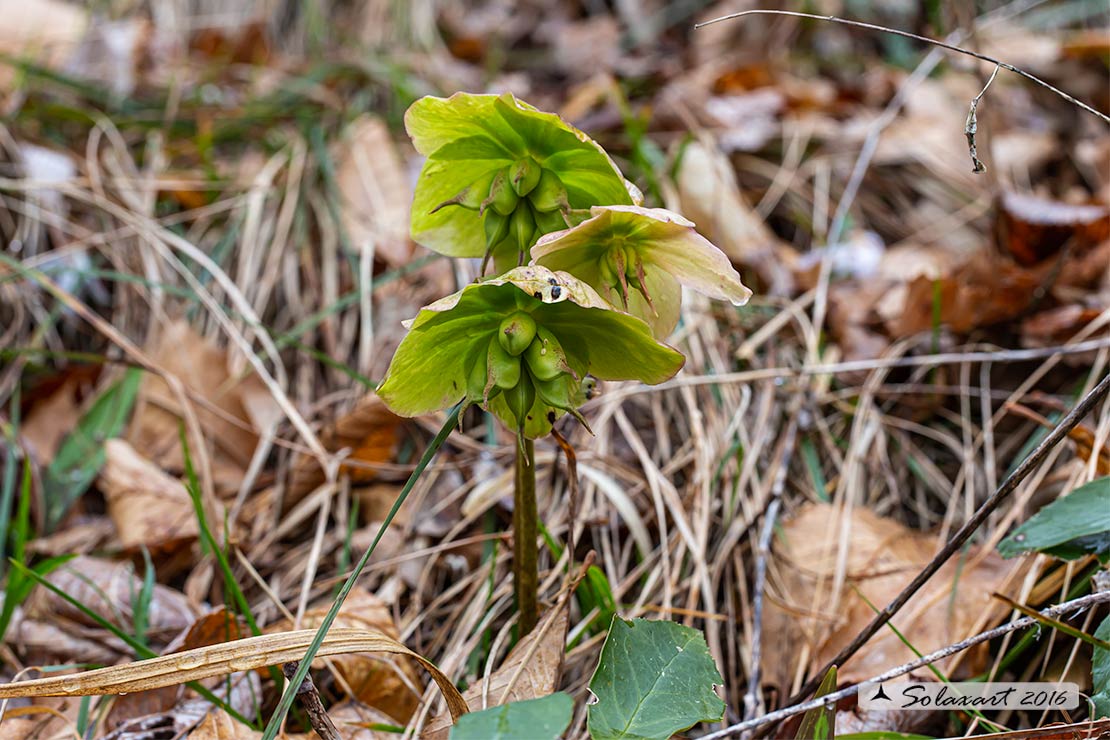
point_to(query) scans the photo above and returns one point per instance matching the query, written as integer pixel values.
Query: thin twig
(1082, 602)
(915, 37)
(313, 705)
(971, 126)
(1008, 486)
(752, 701)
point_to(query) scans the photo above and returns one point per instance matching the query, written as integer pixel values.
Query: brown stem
(313, 705)
(525, 552)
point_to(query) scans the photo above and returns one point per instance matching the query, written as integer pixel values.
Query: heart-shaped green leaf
(1069, 527)
(533, 719)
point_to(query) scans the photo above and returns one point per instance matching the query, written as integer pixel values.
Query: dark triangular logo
(880, 694)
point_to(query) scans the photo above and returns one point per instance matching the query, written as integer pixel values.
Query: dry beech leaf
(1034, 229)
(374, 191)
(530, 670)
(51, 419)
(392, 684)
(369, 431)
(219, 725)
(107, 588)
(882, 557)
(219, 660)
(204, 369)
(349, 720)
(148, 506)
(986, 290)
(21, 728)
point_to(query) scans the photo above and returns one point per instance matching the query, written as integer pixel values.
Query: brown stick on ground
(313, 705)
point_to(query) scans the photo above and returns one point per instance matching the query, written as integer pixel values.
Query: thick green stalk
(526, 576)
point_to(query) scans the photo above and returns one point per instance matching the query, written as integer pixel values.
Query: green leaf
(654, 679)
(819, 723)
(1071, 526)
(81, 455)
(638, 257)
(466, 137)
(1100, 673)
(533, 719)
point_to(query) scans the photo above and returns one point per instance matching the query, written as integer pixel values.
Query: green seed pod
(549, 193)
(522, 225)
(520, 399)
(477, 379)
(563, 393)
(545, 356)
(503, 369)
(516, 332)
(497, 228)
(550, 221)
(472, 196)
(501, 197)
(524, 174)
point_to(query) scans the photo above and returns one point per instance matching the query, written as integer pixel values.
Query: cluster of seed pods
(518, 204)
(525, 361)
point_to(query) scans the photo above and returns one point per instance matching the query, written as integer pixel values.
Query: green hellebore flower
(490, 156)
(462, 348)
(638, 258)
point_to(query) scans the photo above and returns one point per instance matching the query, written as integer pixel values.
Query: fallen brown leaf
(149, 507)
(107, 588)
(881, 558)
(203, 368)
(374, 191)
(370, 431)
(1033, 229)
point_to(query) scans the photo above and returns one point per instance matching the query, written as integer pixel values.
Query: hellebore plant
(508, 183)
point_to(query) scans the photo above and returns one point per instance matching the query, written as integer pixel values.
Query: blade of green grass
(291, 687)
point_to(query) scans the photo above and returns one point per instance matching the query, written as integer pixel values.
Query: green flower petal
(429, 370)
(666, 243)
(466, 137)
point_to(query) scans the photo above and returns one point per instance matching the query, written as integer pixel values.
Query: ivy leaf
(1069, 527)
(467, 138)
(639, 258)
(532, 719)
(1100, 673)
(654, 679)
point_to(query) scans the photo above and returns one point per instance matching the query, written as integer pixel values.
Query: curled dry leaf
(245, 405)
(531, 670)
(148, 506)
(390, 684)
(882, 558)
(218, 660)
(1033, 229)
(374, 191)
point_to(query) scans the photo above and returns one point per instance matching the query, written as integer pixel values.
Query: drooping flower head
(638, 259)
(500, 174)
(520, 345)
